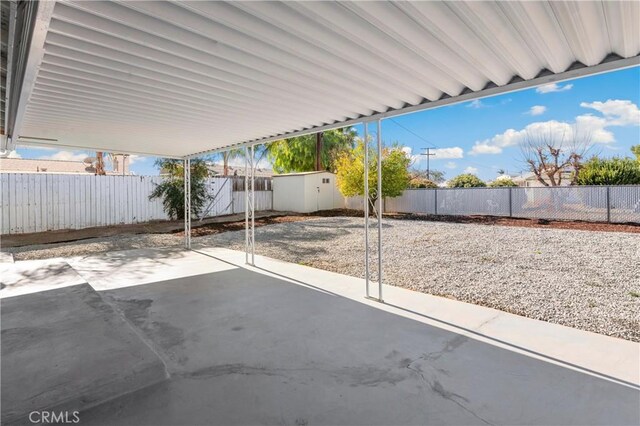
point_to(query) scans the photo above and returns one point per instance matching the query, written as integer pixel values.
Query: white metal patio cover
(179, 78)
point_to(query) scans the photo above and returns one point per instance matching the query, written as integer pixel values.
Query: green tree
(636, 150)
(395, 174)
(421, 182)
(466, 180)
(435, 176)
(502, 181)
(171, 190)
(610, 171)
(299, 154)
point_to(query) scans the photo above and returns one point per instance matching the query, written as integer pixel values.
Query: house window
(325, 180)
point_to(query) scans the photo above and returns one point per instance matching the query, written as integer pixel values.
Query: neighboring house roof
(23, 165)
(218, 169)
(531, 176)
(530, 179)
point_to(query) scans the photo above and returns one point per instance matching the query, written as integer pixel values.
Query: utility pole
(428, 154)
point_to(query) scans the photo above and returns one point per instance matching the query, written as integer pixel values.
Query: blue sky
(482, 136)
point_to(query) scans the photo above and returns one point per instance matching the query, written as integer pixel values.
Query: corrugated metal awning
(175, 79)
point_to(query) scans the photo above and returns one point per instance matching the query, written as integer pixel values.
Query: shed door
(325, 192)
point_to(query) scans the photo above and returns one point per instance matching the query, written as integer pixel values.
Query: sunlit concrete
(288, 344)
(32, 276)
(141, 266)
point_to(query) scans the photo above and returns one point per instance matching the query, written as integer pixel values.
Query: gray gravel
(583, 279)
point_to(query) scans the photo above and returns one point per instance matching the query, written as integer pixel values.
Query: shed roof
(180, 78)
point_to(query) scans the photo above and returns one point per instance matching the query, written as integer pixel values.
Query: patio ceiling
(175, 79)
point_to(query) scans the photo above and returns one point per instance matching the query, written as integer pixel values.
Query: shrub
(610, 171)
(502, 181)
(466, 180)
(421, 182)
(171, 190)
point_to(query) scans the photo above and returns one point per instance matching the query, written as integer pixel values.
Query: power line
(415, 134)
(433, 145)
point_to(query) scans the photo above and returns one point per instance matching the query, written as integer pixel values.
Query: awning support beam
(365, 200)
(373, 199)
(249, 202)
(187, 203)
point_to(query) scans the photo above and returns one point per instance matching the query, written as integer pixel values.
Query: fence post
(510, 202)
(435, 197)
(608, 204)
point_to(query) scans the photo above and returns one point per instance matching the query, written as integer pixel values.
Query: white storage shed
(306, 192)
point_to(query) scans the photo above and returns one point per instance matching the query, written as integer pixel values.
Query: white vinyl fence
(263, 201)
(36, 202)
(619, 204)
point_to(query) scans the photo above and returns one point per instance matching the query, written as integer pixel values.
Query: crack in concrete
(450, 345)
(435, 385)
(368, 376)
(487, 321)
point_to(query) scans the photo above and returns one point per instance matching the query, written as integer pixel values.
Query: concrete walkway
(287, 344)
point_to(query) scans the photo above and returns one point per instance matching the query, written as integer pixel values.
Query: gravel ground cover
(582, 279)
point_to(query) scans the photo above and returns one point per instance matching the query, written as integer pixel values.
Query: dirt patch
(236, 222)
(216, 228)
(154, 227)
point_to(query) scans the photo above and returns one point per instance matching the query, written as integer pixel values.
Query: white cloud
(476, 103)
(471, 170)
(451, 165)
(65, 156)
(446, 153)
(615, 113)
(440, 154)
(537, 110)
(553, 87)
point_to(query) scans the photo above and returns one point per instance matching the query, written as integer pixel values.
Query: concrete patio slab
(288, 344)
(141, 266)
(66, 349)
(36, 275)
(246, 348)
(590, 353)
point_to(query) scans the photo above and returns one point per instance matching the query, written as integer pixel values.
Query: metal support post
(510, 202)
(376, 194)
(187, 203)
(380, 209)
(249, 202)
(366, 208)
(435, 201)
(608, 204)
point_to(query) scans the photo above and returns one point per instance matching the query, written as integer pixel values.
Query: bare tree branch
(550, 155)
